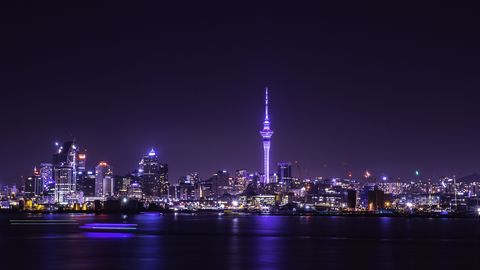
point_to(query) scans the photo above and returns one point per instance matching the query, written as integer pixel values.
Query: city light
(374, 164)
(266, 134)
(64, 185)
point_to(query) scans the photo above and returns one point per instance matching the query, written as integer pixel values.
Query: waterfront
(236, 242)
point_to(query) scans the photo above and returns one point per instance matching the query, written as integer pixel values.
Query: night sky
(352, 86)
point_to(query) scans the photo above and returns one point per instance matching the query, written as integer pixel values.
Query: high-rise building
(82, 162)
(284, 173)
(351, 198)
(103, 180)
(38, 183)
(135, 191)
(266, 133)
(123, 185)
(185, 190)
(48, 182)
(28, 187)
(376, 199)
(153, 176)
(65, 171)
(63, 183)
(46, 172)
(220, 183)
(241, 181)
(86, 183)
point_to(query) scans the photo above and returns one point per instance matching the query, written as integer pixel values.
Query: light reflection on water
(240, 242)
(108, 235)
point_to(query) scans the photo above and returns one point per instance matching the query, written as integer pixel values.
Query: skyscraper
(284, 173)
(266, 133)
(103, 180)
(38, 184)
(240, 181)
(65, 171)
(153, 175)
(82, 161)
(48, 182)
(29, 186)
(221, 183)
(46, 172)
(186, 186)
(86, 183)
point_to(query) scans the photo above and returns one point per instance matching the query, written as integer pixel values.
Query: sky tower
(266, 133)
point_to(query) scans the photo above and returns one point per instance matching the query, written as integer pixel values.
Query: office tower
(108, 185)
(63, 183)
(205, 190)
(284, 173)
(46, 173)
(103, 180)
(240, 181)
(65, 171)
(352, 198)
(122, 184)
(220, 183)
(86, 183)
(186, 188)
(135, 191)
(376, 199)
(48, 183)
(29, 187)
(82, 162)
(266, 133)
(37, 183)
(153, 176)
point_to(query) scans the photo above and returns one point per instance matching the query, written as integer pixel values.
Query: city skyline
(70, 153)
(239, 135)
(352, 91)
(267, 133)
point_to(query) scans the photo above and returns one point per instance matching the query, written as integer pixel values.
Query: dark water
(243, 242)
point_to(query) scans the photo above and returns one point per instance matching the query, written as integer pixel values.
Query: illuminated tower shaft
(266, 133)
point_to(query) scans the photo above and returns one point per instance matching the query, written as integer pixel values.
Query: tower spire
(266, 104)
(266, 134)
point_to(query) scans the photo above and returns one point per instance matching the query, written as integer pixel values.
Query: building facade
(65, 171)
(153, 176)
(103, 180)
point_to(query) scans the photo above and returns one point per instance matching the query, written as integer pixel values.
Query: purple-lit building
(266, 133)
(153, 176)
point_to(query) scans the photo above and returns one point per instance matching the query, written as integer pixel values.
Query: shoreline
(242, 213)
